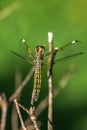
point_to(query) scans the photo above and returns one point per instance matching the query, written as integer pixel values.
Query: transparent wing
(69, 57)
(22, 57)
(69, 44)
(64, 47)
(27, 48)
(68, 51)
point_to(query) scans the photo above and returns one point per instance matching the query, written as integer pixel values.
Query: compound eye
(36, 49)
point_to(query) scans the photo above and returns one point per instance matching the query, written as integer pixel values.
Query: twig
(8, 10)
(32, 115)
(30, 127)
(19, 114)
(22, 85)
(31, 111)
(32, 99)
(14, 117)
(50, 84)
(23, 108)
(33, 118)
(61, 85)
(4, 107)
(65, 79)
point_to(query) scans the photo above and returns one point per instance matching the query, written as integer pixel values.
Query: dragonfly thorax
(39, 56)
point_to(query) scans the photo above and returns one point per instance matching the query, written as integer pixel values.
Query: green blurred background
(32, 20)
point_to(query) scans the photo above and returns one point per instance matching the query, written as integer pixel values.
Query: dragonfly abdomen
(37, 82)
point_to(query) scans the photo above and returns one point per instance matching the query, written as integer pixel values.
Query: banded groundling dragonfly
(38, 60)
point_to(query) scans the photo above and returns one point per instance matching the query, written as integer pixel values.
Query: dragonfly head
(40, 49)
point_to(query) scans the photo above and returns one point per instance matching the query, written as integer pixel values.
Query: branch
(9, 10)
(22, 85)
(14, 116)
(50, 82)
(19, 114)
(33, 118)
(4, 107)
(61, 85)
(32, 115)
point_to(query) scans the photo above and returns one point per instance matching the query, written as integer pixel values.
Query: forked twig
(61, 84)
(32, 109)
(19, 114)
(33, 118)
(31, 113)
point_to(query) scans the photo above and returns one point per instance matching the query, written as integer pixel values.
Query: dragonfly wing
(25, 46)
(69, 44)
(68, 57)
(22, 57)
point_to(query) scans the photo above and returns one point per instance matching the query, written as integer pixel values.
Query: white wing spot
(23, 40)
(73, 42)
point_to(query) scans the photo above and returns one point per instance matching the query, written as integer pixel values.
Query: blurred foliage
(32, 20)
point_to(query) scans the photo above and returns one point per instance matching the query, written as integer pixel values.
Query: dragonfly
(38, 61)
